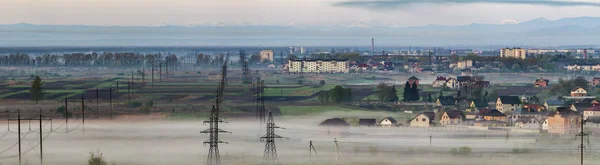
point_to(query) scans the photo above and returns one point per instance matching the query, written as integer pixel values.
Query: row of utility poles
(40, 118)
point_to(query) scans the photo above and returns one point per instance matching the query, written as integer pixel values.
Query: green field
(299, 91)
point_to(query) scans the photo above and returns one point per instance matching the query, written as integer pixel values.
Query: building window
(423, 119)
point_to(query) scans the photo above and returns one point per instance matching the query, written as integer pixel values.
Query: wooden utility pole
(40, 133)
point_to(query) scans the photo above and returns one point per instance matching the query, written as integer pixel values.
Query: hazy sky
(289, 12)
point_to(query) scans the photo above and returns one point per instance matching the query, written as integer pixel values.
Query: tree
(383, 92)
(581, 82)
(534, 99)
(37, 93)
(96, 159)
(441, 93)
(338, 94)
(429, 99)
(406, 94)
(414, 93)
(322, 82)
(323, 97)
(394, 94)
(516, 67)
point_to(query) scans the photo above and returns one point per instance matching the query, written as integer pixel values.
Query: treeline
(336, 95)
(108, 59)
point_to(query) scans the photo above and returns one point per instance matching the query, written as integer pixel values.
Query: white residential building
(318, 66)
(513, 53)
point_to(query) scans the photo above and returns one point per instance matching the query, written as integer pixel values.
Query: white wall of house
(587, 114)
(506, 108)
(545, 125)
(386, 123)
(532, 124)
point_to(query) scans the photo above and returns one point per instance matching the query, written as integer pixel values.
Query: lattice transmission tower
(213, 152)
(269, 138)
(259, 90)
(245, 71)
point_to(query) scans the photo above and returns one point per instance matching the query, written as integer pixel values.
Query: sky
(357, 13)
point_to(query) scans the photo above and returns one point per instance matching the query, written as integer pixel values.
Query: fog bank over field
(159, 142)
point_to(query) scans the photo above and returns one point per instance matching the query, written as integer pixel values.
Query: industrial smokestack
(373, 45)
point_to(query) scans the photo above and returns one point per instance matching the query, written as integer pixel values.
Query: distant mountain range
(536, 32)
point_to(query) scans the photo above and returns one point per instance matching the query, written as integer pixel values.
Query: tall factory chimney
(373, 45)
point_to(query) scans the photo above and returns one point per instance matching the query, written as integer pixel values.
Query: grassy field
(298, 91)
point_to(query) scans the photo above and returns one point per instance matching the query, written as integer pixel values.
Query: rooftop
(510, 99)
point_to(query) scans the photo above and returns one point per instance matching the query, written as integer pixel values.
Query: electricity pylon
(245, 71)
(269, 138)
(213, 152)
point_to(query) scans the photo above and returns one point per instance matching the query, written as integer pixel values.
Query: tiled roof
(554, 102)
(367, 122)
(453, 114)
(593, 108)
(441, 78)
(582, 106)
(510, 99)
(494, 113)
(463, 78)
(391, 119)
(334, 122)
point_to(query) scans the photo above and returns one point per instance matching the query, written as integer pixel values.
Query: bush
(322, 82)
(461, 151)
(134, 104)
(96, 159)
(149, 103)
(373, 150)
(61, 110)
(523, 150)
(300, 82)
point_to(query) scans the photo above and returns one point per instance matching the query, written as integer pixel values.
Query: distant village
(561, 114)
(512, 113)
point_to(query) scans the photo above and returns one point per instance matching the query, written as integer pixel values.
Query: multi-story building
(317, 66)
(464, 64)
(520, 53)
(266, 55)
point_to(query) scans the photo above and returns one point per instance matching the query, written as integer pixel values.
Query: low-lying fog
(160, 142)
